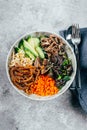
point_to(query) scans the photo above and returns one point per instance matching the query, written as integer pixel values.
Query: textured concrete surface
(16, 18)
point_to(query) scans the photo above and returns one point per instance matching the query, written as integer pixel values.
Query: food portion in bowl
(40, 65)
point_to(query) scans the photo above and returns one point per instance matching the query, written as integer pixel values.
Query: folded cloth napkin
(81, 93)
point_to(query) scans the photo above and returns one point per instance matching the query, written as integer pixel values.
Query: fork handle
(78, 67)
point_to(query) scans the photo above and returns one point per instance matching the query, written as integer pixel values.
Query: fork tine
(76, 26)
(78, 30)
(73, 30)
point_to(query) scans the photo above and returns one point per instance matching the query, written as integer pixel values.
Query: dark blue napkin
(82, 93)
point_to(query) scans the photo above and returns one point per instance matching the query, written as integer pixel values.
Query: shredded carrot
(43, 86)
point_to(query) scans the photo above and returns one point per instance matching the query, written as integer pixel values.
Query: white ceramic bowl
(70, 53)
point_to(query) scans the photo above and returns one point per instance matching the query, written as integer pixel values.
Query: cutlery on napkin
(81, 94)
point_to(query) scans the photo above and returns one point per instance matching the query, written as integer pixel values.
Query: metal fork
(76, 39)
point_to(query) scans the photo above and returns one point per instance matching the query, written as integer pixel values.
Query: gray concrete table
(16, 18)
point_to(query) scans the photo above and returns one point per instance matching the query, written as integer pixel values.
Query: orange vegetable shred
(43, 86)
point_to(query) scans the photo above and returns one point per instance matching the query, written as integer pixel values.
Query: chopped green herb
(65, 62)
(59, 77)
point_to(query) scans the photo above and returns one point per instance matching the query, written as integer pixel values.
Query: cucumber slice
(29, 54)
(28, 47)
(34, 42)
(17, 49)
(28, 38)
(40, 52)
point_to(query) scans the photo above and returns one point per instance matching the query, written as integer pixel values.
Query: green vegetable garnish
(66, 78)
(59, 77)
(60, 87)
(65, 62)
(28, 38)
(16, 49)
(20, 45)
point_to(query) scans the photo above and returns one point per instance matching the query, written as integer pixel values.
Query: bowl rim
(46, 97)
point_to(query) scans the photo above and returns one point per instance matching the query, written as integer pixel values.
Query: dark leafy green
(66, 78)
